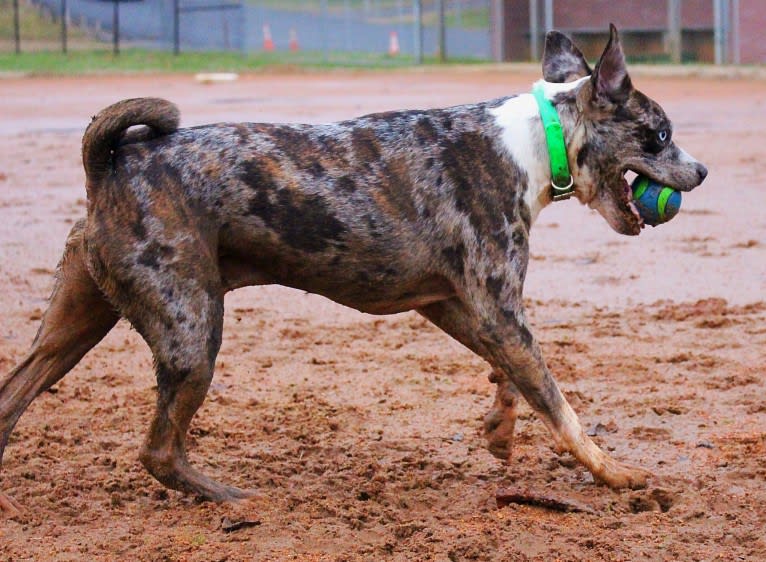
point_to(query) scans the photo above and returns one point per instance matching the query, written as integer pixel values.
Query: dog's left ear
(610, 79)
(562, 61)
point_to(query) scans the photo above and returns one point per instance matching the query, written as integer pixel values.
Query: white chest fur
(523, 137)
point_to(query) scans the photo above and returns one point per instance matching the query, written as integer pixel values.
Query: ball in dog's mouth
(656, 203)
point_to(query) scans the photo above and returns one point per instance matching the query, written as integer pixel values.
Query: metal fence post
(417, 8)
(497, 29)
(674, 30)
(727, 31)
(442, 55)
(721, 30)
(16, 27)
(534, 30)
(176, 27)
(116, 27)
(717, 31)
(548, 15)
(735, 16)
(63, 26)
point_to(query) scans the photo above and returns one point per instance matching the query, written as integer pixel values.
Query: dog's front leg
(499, 333)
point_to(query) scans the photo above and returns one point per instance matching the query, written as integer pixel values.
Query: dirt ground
(363, 434)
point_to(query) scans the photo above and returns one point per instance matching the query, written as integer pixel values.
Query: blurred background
(385, 32)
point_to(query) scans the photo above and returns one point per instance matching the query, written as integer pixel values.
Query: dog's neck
(524, 138)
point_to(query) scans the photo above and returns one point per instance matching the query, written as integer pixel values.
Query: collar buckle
(562, 193)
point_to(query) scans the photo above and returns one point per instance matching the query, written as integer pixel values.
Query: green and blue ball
(656, 203)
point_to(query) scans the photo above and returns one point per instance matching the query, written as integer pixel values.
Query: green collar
(562, 183)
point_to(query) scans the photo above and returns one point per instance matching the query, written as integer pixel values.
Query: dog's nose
(701, 172)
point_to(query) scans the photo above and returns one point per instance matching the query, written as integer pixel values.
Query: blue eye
(662, 136)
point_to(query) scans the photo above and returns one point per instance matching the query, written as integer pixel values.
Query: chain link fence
(304, 30)
(389, 27)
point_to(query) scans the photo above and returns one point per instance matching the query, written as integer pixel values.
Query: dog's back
(343, 209)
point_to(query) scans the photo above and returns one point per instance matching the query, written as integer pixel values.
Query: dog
(426, 210)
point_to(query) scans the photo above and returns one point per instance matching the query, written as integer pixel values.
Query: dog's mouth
(627, 192)
(614, 202)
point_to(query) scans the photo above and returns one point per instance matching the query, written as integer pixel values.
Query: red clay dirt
(363, 434)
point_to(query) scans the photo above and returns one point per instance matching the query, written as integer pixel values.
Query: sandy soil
(362, 433)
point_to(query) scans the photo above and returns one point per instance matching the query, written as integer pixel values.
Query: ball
(656, 203)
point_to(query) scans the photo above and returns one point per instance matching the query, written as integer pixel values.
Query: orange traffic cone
(393, 44)
(268, 42)
(294, 47)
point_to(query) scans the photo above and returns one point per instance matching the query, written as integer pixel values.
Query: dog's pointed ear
(610, 79)
(562, 61)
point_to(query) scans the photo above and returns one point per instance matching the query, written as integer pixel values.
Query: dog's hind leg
(500, 422)
(184, 352)
(78, 317)
(170, 290)
(183, 378)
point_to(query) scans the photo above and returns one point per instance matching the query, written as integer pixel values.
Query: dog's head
(619, 129)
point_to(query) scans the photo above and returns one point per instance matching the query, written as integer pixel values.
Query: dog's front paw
(620, 476)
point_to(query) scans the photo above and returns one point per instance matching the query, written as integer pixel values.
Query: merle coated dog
(427, 210)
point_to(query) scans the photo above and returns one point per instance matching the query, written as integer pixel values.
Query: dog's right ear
(610, 79)
(562, 61)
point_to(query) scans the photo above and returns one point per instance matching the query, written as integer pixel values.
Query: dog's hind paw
(9, 507)
(500, 449)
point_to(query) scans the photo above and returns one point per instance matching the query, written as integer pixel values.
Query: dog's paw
(9, 507)
(620, 476)
(498, 431)
(500, 449)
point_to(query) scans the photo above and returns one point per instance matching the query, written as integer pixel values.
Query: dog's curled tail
(107, 130)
